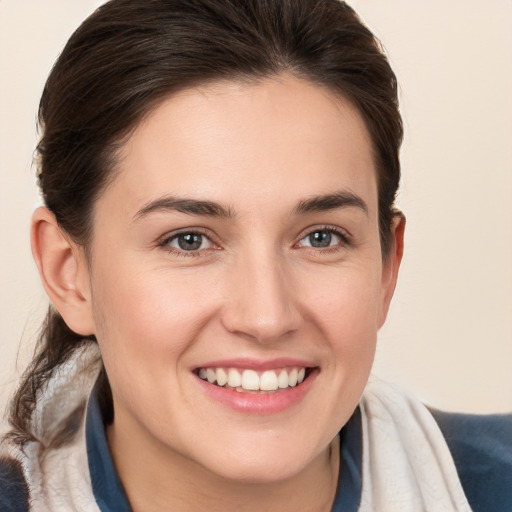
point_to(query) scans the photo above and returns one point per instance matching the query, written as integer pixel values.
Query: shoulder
(481, 447)
(13, 487)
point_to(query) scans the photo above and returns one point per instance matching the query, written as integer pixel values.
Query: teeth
(268, 381)
(222, 377)
(250, 380)
(282, 380)
(234, 378)
(211, 375)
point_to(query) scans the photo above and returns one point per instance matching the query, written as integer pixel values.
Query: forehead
(275, 140)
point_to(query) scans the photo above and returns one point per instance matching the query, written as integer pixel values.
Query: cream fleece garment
(406, 463)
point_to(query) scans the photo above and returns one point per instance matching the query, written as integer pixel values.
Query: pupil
(320, 239)
(190, 241)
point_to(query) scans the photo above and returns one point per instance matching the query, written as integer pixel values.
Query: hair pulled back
(131, 54)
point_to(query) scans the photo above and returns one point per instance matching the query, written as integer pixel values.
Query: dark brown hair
(130, 54)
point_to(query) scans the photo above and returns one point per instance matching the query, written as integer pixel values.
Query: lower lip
(259, 403)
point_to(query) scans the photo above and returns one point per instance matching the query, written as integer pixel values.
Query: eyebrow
(322, 203)
(184, 205)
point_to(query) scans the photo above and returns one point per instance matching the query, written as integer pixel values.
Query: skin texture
(255, 288)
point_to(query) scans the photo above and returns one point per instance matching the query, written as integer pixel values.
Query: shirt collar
(110, 495)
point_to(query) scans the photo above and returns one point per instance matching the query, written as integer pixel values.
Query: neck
(156, 479)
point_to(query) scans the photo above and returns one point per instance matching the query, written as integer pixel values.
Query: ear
(391, 265)
(63, 269)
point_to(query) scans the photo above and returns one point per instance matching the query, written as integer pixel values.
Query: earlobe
(392, 265)
(63, 271)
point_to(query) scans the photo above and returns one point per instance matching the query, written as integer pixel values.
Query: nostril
(262, 325)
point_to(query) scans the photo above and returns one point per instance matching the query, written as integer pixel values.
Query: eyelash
(344, 237)
(166, 241)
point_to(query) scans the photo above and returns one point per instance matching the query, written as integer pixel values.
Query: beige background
(449, 334)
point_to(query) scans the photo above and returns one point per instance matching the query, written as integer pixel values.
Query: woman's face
(239, 240)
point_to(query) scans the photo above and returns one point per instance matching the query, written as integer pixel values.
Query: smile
(251, 381)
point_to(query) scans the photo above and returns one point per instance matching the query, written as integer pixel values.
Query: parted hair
(129, 55)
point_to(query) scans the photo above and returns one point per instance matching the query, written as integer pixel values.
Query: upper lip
(258, 364)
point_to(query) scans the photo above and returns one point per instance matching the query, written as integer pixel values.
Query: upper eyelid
(165, 239)
(324, 227)
(346, 240)
(185, 231)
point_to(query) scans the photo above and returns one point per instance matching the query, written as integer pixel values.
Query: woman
(220, 246)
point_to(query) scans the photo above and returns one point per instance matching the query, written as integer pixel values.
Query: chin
(260, 462)
(257, 473)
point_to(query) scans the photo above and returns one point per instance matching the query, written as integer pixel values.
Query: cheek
(145, 318)
(347, 312)
(348, 302)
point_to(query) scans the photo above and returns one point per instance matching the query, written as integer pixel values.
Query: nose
(261, 303)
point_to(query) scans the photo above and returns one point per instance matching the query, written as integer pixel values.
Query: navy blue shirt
(481, 447)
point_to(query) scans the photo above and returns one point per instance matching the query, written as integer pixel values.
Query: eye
(323, 239)
(188, 242)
